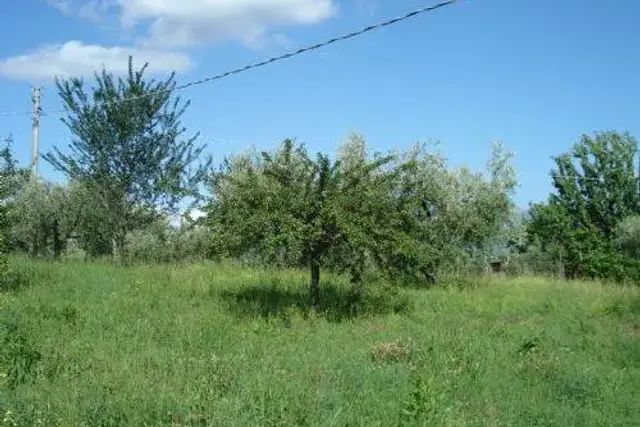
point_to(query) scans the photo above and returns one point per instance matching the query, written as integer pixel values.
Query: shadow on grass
(337, 303)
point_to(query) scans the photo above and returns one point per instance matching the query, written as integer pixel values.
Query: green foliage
(160, 242)
(628, 236)
(13, 176)
(444, 217)
(130, 155)
(596, 182)
(3, 248)
(18, 357)
(407, 214)
(3, 245)
(11, 179)
(92, 234)
(596, 189)
(423, 403)
(39, 219)
(292, 209)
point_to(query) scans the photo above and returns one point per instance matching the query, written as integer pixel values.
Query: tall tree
(596, 182)
(596, 189)
(129, 148)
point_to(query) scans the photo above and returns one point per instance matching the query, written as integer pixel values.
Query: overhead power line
(15, 113)
(288, 55)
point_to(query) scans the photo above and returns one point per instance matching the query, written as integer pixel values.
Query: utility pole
(35, 142)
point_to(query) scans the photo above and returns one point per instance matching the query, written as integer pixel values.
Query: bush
(628, 236)
(146, 246)
(534, 262)
(191, 243)
(610, 265)
(161, 243)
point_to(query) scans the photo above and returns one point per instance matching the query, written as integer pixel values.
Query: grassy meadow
(90, 344)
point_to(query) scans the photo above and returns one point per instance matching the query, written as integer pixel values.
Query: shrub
(628, 236)
(162, 243)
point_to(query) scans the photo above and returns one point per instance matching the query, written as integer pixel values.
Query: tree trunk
(57, 243)
(118, 244)
(357, 280)
(114, 250)
(315, 281)
(35, 247)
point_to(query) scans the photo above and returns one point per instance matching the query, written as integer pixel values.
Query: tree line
(405, 216)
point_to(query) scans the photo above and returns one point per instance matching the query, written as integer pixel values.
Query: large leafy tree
(291, 208)
(129, 148)
(596, 189)
(444, 216)
(596, 182)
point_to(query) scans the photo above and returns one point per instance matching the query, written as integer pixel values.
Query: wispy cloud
(182, 23)
(74, 58)
(161, 30)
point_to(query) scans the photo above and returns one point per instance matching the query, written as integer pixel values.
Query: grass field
(213, 345)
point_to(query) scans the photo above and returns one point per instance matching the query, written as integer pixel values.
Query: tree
(128, 148)
(596, 188)
(601, 187)
(442, 217)
(290, 208)
(11, 179)
(31, 219)
(43, 217)
(13, 176)
(406, 215)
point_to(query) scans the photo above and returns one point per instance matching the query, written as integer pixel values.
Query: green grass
(213, 345)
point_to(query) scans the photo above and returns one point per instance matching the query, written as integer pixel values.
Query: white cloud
(74, 58)
(206, 21)
(182, 23)
(160, 26)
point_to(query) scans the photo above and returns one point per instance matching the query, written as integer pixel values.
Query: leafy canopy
(12, 178)
(405, 214)
(132, 154)
(596, 189)
(289, 208)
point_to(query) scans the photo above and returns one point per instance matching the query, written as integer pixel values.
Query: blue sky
(532, 74)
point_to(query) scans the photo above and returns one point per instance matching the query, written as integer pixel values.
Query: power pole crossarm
(35, 149)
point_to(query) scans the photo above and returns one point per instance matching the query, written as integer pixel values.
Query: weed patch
(393, 351)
